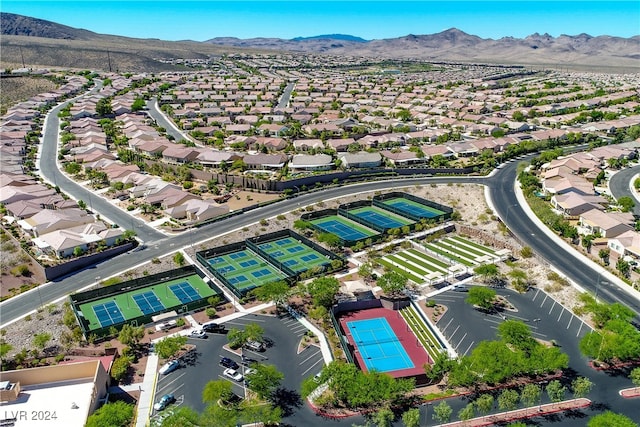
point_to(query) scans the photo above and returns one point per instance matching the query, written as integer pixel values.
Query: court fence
(81, 298)
(379, 199)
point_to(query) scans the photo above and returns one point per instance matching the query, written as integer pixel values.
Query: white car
(197, 333)
(233, 374)
(169, 367)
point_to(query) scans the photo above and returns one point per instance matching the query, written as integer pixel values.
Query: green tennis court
(294, 254)
(346, 229)
(146, 301)
(377, 216)
(414, 208)
(245, 270)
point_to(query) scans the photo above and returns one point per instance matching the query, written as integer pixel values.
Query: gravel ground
(466, 199)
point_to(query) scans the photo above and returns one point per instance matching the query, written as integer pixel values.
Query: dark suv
(228, 363)
(213, 327)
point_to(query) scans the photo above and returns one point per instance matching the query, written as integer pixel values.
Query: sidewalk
(147, 391)
(518, 414)
(629, 393)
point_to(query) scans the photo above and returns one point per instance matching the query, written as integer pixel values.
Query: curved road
(619, 186)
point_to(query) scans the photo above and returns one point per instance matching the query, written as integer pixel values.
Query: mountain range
(581, 51)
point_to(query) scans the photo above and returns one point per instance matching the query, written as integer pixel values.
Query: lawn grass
(422, 259)
(422, 330)
(483, 248)
(461, 253)
(446, 254)
(464, 247)
(388, 265)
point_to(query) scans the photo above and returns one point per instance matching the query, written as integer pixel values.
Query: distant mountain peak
(341, 37)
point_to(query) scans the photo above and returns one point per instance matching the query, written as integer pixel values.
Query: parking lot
(282, 336)
(464, 327)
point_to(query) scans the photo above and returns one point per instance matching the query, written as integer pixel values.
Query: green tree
(442, 412)
(481, 297)
(331, 239)
(383, 417)
(264, 380)
(131, 335)
(555, 391)
(603, 254)
(611, 419)
(178, 258)
(484, 403)
(277, 292)
(77, 251)
(239, 337)
(115, 414)
(626, 203)
(82, 204)
(120, 367)
(581, 387)
(181, 416)
(487, 271)
(217, 390)
(103, 107)
(323, 291)
(518, 334)
(5, 348)
(635, 377)
(169, 346)
(531, 394)
(623, 267)
(508, 400)
(392, 283)
(466, 413)
(411, 418)
(72, 168)
(138, 104)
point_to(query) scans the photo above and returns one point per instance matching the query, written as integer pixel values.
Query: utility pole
(109, 59)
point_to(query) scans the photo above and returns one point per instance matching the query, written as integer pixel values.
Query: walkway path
(519, 414)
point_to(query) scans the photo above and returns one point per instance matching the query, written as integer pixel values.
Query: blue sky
(204, 19)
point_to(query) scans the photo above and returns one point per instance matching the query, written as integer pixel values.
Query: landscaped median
(629, 393)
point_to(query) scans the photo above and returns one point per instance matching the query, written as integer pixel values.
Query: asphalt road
(286, 96)
(161, 120)
(619, 186)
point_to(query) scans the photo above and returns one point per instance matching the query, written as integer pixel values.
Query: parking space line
(561, 313)
(545, 298)
(570, 319)
(468, 348)
(536, 295)
(170, 382)
(552, 305)
(460, 342)
(454, 332)
(510, 316)
(492, 321)
(580, 328)
(445, 328)
(311, 356)
(538, 333)
(312, 366)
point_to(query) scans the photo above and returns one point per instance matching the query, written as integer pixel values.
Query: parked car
(214, 327)
(169, 367)
(254, 345)
(233, 374)
(228, 363)
(164, 401)
(460, 288)
(197, 333)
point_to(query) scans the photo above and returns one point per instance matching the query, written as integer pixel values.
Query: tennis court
(413, 208)
(381, 218)
(345, 229)
(245, 270)
(380, 348)
(108, 314)
(293, 254)
(157, 297)
(148, 302)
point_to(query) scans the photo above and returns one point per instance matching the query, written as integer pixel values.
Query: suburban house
(197, 210)
(169, 197)
(306, 162)
(605, 224)
(49, 220)
(573, 204)
(403, 158)
(361, 159)
(265, 161)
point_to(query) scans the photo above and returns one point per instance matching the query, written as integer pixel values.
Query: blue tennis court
(260, 273)
(379, 219)
(214, 261)
(343, 231)
(308, 257)
(284, 242)
(237, 255)
(185, 292)
(248, 263)
(378, 345)
(108, 313)
(238, 279)
(414, 208)
(295, 249)
(290, 262)
(148, 302)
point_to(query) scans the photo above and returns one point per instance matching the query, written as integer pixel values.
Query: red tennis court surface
(409, 342)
